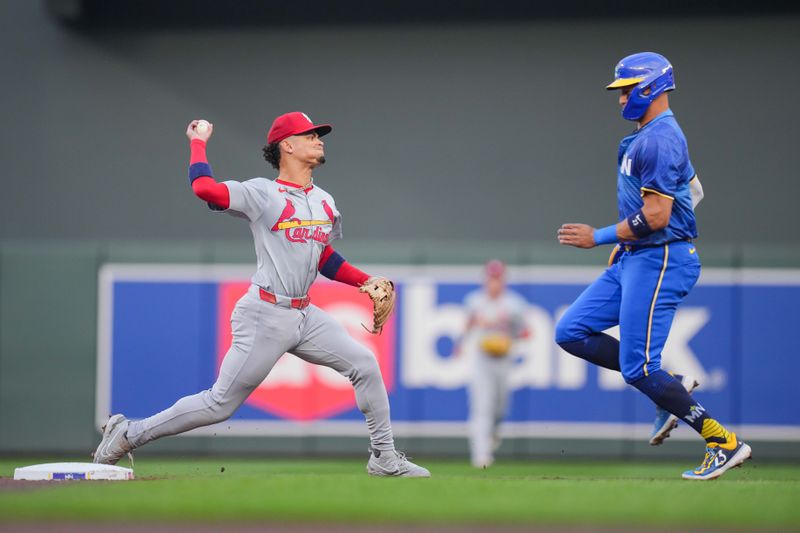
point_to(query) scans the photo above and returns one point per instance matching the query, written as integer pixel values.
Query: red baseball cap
(294, 123)
(495, 268)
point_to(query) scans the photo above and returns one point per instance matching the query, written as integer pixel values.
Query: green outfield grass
(562, 493)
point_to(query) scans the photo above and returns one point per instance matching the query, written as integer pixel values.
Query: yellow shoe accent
(706, 464)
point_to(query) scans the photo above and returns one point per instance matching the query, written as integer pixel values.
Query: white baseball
(202, 126)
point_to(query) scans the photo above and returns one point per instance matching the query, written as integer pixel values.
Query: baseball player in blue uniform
(657, 265)
(293, 223)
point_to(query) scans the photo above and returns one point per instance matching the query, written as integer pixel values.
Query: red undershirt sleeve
(204, 186)
(209, 190)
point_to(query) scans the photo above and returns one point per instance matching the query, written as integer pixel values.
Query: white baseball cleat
(115, 442)
(665, 421)
(393, 463)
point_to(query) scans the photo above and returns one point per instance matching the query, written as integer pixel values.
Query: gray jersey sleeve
(249, 198)
(471, 303)
(335, 216)
(517, 307)
(472, 307)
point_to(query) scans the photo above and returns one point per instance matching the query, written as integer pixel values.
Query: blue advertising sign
(165, 329)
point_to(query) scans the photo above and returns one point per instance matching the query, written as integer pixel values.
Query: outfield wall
(51, 396)
(437, 116)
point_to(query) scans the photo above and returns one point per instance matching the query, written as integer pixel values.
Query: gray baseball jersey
(291, 226)
(504, 314)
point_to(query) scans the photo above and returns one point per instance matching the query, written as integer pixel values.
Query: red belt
(297, 303)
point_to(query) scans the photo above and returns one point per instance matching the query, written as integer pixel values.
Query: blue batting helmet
(646, 70)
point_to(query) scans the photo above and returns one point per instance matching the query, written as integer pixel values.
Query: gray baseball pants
(488, 403)
(262, 333)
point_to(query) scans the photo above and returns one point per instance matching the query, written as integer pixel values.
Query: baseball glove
(496, 344)
(381, 291)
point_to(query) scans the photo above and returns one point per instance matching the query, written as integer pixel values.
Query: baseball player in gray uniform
(293, 222)
(496, 320)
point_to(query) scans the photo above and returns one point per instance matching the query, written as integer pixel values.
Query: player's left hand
(382, 293)
(578, 235)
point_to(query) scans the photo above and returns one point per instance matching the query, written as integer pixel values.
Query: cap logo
(308, 119)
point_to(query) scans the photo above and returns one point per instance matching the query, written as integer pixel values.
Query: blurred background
(461, 132)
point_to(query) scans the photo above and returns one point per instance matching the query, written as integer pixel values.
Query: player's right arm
(656, 165)
(653, 216)
(657, 209)
(201, 177)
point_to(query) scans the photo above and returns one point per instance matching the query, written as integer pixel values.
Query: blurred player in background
(496, 320)
(657, 265)
(293, 222)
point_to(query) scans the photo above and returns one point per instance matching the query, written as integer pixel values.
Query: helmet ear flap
(654, 74)
(643, 94)
(637, 103)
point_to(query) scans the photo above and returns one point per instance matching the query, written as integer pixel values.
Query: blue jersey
(655, 159)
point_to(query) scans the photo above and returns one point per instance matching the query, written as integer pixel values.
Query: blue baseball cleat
(666, 421)
(719, 460)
